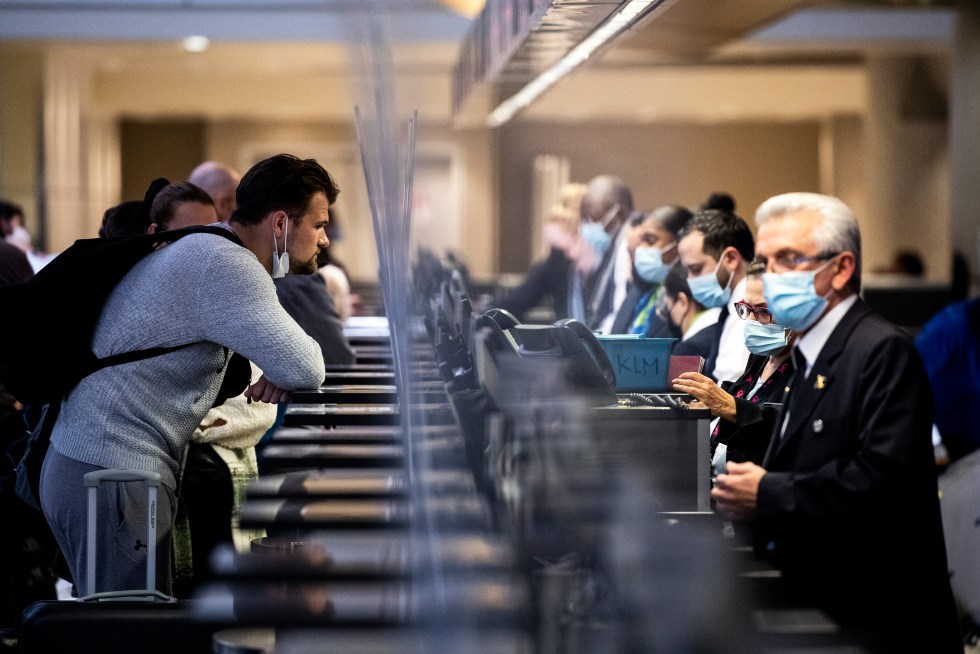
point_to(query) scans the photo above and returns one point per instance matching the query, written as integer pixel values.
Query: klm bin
(640, 363)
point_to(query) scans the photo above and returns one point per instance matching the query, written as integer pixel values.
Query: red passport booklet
(679, 364)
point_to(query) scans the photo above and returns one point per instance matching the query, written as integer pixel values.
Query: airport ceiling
(297, 35)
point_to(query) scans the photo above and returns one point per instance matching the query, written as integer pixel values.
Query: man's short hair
(838, 232)
(721, 229)
(281, 182)
(171, 196)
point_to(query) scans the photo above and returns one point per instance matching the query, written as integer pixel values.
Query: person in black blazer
(556, 280)
(605, 207)
(846, 503)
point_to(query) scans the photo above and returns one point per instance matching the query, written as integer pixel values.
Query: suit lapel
(806, 399)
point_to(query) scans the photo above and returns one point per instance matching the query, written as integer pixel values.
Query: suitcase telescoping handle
(152, 480)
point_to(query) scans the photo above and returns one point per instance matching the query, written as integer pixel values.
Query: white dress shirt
(732, 353)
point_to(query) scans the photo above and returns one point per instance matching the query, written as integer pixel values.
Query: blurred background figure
(334, 272)
(720, 200)
(606, 206)
(14, 232)
(904, 262)
(950, 347)
(556, 281)
(220, 181)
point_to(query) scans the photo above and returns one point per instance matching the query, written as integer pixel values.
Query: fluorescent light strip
(506, 110)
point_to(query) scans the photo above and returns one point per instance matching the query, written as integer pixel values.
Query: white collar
(811, 343)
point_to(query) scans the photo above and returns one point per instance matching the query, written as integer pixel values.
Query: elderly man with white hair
(845, 503)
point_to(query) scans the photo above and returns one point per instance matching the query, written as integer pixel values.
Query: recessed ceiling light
(196, 43)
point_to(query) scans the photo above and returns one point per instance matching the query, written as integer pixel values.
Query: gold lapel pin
(821, 382)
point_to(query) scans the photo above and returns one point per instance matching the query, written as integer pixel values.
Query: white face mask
(280, 264)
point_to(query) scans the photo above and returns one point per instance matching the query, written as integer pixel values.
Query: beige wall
(149, 150)
(888, 160)
(21, 89)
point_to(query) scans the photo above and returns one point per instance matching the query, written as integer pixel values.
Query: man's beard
(307, 267)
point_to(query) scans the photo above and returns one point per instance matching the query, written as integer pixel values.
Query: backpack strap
(168, 236)
(135, 355)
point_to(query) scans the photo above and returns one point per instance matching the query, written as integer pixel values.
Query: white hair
(837, 232)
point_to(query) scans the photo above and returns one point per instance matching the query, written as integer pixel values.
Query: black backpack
(49, 325)
(50, 320)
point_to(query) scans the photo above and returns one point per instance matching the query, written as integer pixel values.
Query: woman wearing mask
(742, 417)
(652, 246)
(695, 325)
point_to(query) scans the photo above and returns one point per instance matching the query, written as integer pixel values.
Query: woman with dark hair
(740, 406)
(652, 246)
(695, 324)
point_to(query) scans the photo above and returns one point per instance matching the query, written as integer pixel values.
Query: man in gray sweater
(216, 297)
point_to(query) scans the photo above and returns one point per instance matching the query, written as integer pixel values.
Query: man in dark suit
(845, 503)
(606, 204)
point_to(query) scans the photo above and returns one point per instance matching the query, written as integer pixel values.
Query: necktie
(799, 377)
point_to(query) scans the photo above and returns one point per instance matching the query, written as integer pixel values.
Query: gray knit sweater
(202, 289)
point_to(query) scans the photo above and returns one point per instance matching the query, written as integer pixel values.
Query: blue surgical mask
(597, 238)
(792, 298)
(649, 263)
(764, 340)
(595, 234)
(706, 289)
(280, 263)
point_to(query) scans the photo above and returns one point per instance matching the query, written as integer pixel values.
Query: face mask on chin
(280, 263)
(706, 289)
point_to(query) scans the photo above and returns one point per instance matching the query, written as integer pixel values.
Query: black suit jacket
(699, 344)
(306, 299)
(711, 358)
(550, 278)
(626, 314)
(598, 290)
(849, 507)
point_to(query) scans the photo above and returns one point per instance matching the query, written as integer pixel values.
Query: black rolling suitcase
(127, 621)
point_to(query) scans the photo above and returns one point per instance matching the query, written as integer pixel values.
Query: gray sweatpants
(120, 561)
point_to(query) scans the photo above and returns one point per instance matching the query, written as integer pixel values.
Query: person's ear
(684, 300)
(844, 267)
(153, 228)
(730, 258)
(279, 219)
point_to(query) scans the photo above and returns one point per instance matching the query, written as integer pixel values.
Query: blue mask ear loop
(820, 269)
(731, 275)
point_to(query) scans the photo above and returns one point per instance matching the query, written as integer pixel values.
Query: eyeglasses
(791, 261)
(743, 309)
